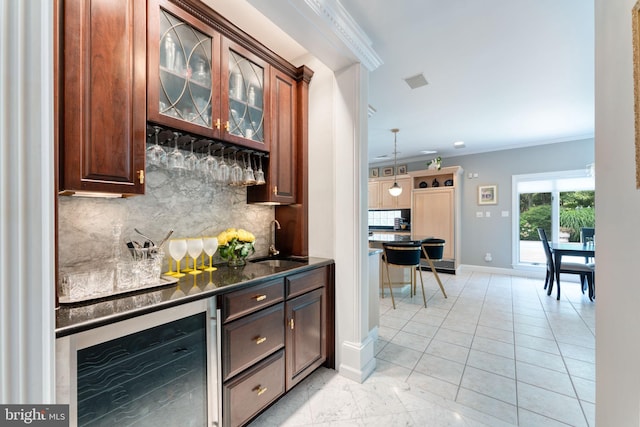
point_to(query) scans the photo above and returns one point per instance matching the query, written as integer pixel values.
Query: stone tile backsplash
(179, 201)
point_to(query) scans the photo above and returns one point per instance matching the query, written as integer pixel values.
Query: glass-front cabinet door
(245, 97)
(183, 71)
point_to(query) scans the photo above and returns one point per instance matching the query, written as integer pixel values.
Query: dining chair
(585, 271)
(587, 235)
(404, 255)
(432, 250)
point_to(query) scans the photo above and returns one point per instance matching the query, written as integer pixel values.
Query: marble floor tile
(440, 368)
(495, 334)
(559, 382)
(422, 329)
(540, 358)
(581, 369)
(488, 345)
(412, 341)
(488, 405)
(586, 389)
(399, 355)
(489, 384)
(550, 404)
(454, 337)
(504, 366)
(449, 351)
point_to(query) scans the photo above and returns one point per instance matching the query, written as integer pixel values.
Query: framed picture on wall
(487, 194)
(387, 171)
(373, 173)
(401, 170)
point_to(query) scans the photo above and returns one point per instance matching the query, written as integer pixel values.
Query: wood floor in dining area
(497, 352)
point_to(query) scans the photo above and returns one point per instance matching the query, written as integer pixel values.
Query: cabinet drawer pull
(226, 126)
(260, 390)
(217, 124)
(275, 190)
(260, 340)
(260, 297)
(141, 176)
(291, 324)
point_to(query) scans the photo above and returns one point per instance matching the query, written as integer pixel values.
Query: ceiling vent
(416, 81)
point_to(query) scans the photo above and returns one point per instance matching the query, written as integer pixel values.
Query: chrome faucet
(272, 246)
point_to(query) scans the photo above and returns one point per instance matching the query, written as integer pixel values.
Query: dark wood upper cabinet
(282, 164)
(103, 96)
(183, 70)
(203, 83)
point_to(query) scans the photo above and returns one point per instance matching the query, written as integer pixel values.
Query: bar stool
(432, 250)
(403, 254)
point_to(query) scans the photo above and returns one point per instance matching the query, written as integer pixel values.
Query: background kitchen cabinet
(379, 197)
(102, 104)
(435, 211)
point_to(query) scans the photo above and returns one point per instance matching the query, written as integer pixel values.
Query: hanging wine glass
(194, 248)
(223, 169)
(175, 159)
(177, 250)
(249, 178)
(156, 154)
(259, 173)
(208, 165)
(236, 171)
(210, 246)
(191, 160)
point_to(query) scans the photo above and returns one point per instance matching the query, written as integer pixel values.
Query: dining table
(560, 249)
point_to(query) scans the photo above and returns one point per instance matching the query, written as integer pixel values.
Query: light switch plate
(479, 214)
(505, 213)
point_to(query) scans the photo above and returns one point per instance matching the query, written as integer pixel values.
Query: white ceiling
(501, 73)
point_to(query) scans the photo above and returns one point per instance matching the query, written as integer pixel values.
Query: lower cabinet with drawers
(273, 336)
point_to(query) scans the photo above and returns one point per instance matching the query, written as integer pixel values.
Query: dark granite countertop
(390, 237)
(77, 317)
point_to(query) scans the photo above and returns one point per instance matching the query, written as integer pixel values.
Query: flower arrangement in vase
(434, 164)
(235, 245)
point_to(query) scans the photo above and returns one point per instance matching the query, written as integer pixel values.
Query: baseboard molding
(358, 359)
(536, 273)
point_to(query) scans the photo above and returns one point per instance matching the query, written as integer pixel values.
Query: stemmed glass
(156, 154)
(191, 160)
(208, 165)
(249, 178)
(210, 246)
(194, 248)
(236, 171)
(223, 168)
(175, 159)
(259, 173)
(177, 250)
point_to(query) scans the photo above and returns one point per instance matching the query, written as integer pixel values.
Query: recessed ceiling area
(501, 74)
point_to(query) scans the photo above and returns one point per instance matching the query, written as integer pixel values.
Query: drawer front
(240, 303)
(307, 281)
(245, 396)
(247, 340)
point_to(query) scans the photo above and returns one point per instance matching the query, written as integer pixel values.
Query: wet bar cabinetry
(273, 336)
(100, 79)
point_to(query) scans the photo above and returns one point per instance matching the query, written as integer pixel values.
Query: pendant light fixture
(395, 190)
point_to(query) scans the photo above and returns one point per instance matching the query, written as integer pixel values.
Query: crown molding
(342, 25)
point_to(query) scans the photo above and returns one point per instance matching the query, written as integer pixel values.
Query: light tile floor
(497, 352)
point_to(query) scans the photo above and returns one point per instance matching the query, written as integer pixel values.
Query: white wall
(617, 206)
